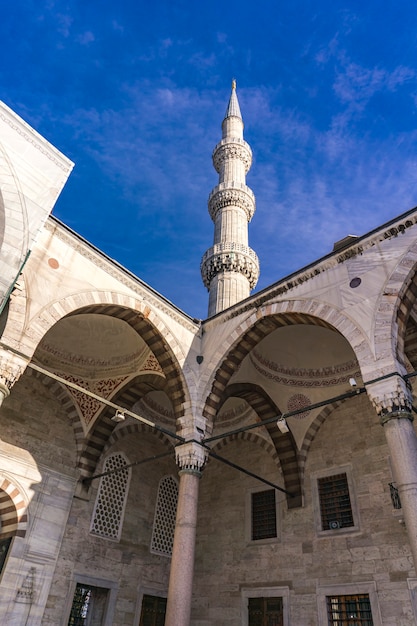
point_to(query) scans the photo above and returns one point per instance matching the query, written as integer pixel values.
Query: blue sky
(135, 92)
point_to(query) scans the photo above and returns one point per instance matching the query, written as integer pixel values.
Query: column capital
(12, 367)
(191, 457)
(391, 398)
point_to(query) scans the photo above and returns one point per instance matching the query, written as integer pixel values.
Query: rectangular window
(264, 515)
(335, 504)
(265, 612)
(352, 610)
(88, 605)
(153, 611)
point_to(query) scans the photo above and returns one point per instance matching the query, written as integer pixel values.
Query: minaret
(230, 269)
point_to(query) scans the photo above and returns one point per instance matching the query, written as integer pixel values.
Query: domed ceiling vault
(104, 355)
(292, 368)
(298, 366)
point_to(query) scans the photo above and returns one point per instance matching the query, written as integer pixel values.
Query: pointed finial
(233, 109)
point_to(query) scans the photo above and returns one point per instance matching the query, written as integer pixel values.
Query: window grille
(354, 610)
(88, 605)
(165, 514)
(264, 515)
(265, 612)
(111, 499)
(395, 496)
(153, 611)
(335, 504)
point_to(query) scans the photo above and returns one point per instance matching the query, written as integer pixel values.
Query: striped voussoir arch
(100, 435)
(312, 432)
(394, 308)
(60, 392)
(13, 513)
(251, 335)
(126, 430)
(284, 443)
(247, 436)
(405, 306)
(151, 335)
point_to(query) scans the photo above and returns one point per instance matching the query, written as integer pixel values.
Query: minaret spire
(230, 269)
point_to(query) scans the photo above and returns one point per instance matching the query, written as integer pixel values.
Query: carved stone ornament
(230, 258)
(222, 198)
(25, 594)
(11, 369)
(392, 398)
(191, 456)
(232, 149)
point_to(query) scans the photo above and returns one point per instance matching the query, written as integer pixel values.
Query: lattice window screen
(165, 513)
(111, 499)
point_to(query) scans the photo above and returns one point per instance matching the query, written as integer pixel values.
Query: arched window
(13, 517)
(165, 514)
(111, 498)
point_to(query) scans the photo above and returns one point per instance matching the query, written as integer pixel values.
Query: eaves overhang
(393, 228)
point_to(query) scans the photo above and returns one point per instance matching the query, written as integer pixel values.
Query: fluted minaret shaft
(230, 269)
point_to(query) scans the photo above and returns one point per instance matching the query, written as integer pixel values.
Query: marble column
(191, 458)
(392, 400)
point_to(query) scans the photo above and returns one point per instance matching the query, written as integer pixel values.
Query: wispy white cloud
(356, 84)
(64, 23)
(86, 38)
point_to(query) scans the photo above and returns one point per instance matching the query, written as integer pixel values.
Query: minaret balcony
(230, 257)
(231, 194)
(232, 148)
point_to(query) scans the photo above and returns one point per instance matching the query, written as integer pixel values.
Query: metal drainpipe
(9, 291)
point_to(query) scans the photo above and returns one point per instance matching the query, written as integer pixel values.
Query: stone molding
(302, 377)
(36, 140)
(232, 148)
(326, 263)
(191, 456)
(12, 367)
(230, 196)
(119, 273)
(391, 398)
(230, 257)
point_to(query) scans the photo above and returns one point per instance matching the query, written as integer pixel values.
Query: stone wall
(301, 561)
(127, 565)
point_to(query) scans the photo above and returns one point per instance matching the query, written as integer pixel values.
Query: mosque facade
(256, 468)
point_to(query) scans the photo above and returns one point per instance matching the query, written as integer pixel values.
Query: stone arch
(261, 323)
(126, 430)
(284, 443)
(248, 436)
(90, 301)
(394, 308)
(64, 398)
(101, 432)
(13, 509)
(138, 314)
(312, 432)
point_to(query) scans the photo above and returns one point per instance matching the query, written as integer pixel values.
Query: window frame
(112, 587)
(265, 592)
(101, 487)
(348, 589)
(158, 505)
(155, 598)
(328, 473)
(412, 587)
(248, 518)
(147, 591)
